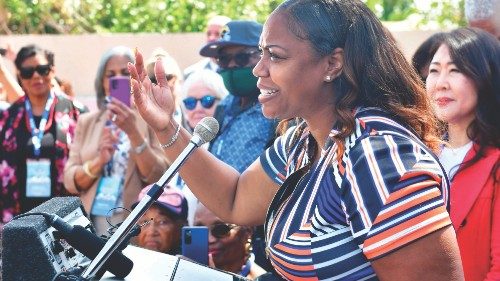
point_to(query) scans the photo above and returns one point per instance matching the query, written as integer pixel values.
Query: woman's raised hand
(123, 116)
(154, 102)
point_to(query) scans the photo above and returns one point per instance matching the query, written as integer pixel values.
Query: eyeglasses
(27, 72)
(240, 59)
(160, 223)
(221, 230)
(206, 101)
(167, 76)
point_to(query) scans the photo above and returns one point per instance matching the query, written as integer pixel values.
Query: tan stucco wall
(77, 56)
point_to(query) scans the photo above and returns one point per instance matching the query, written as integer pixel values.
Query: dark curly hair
(375, 73)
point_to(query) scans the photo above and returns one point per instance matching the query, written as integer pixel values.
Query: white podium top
(155, 266)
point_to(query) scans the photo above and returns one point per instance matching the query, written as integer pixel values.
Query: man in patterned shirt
(245, 132)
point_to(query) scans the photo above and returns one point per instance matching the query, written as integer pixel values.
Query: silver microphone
(204, 132)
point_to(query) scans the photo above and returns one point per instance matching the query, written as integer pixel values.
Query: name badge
(107, 195)
(38, 183)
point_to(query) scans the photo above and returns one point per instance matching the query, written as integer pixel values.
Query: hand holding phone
(119, 88)
(195, 243)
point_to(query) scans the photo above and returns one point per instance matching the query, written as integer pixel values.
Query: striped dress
(387, 191)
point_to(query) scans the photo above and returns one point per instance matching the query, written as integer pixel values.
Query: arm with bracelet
(145, 151)
(87, 157)
(243, 198)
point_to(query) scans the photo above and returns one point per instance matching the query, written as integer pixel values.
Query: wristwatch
(140, 148)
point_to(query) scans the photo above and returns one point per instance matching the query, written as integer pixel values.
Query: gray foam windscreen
(207, 128)
(25, 257)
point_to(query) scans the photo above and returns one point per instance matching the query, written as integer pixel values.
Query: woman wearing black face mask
(35, 134)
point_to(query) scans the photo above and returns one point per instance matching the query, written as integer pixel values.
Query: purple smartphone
(119, 88)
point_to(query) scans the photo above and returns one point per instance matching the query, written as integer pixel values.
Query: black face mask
(240, 81)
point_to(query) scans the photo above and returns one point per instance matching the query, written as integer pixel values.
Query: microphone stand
(154, 193)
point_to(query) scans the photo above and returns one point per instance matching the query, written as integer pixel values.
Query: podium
(155, 266)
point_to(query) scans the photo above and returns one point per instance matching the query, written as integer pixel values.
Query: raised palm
(155, 103)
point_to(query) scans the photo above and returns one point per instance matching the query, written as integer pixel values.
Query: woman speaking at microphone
(353, 190)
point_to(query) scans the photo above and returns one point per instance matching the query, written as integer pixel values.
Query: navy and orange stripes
(386, 192)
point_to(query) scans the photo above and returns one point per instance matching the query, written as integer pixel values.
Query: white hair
(480, 9)
(218, 20)
(208, 78)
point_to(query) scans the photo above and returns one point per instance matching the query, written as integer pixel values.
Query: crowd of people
(336, 158)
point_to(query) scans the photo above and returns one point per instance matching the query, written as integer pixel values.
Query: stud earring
(328, 78)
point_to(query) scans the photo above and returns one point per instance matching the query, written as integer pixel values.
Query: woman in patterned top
(351, 192)
(35, 135)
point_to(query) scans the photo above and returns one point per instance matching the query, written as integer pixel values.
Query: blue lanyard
(37, 133)
(246, 268)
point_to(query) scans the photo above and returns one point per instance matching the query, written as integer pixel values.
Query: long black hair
(476, 53)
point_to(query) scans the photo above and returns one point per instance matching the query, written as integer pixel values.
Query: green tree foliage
(166, 16)
(90, 16)
(392, 10)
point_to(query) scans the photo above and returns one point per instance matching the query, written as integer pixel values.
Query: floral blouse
(16, 147)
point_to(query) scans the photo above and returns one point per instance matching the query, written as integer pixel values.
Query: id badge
(38, 183)
(107, 194)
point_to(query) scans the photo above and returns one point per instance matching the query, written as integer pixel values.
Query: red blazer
(475, 214)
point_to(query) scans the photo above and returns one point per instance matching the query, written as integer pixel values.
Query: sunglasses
(240, 59)
(221, 230)
(27, 72)
(167, 76)
(206, 101)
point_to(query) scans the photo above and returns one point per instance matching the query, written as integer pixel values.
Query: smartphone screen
(195, 243)
(119, 88)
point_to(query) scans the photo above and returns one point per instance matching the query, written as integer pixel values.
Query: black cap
(235, 33)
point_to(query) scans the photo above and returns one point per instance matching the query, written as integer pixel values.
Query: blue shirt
(244, 134)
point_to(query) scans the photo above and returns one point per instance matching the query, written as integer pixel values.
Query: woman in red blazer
(464, 88)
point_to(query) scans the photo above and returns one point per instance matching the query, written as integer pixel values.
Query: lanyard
(246, 268)
(37, 133)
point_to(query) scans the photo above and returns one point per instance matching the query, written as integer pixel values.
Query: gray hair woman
(200, 94)
(101, 83)
(114, 152)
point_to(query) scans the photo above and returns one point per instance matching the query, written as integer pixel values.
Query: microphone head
(207, 129)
